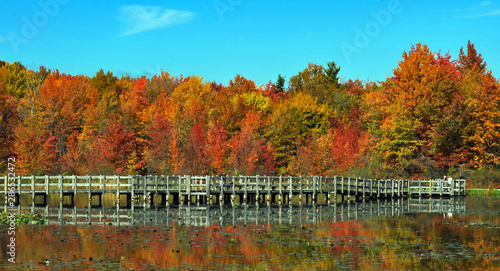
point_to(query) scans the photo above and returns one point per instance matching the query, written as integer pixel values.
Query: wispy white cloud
(489, 13)
(480, 10)
(144, 18)
(485, 3)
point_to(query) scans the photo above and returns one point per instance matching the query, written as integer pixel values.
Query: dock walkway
(187, 189)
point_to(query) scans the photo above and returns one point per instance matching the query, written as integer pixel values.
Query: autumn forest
(433, 116)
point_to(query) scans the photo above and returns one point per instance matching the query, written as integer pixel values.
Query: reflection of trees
(402, 242)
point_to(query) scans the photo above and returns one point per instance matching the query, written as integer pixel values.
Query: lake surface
(435, 234)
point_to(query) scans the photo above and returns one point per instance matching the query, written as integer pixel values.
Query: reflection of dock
(206, 215)
(224, 189)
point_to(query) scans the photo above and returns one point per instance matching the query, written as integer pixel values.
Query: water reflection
(192, 215)
(384, 235)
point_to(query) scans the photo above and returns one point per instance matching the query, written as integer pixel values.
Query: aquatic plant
(22, 219)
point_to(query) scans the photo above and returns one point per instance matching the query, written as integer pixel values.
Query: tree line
(434, 116)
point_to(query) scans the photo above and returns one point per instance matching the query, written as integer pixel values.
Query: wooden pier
(189, 189)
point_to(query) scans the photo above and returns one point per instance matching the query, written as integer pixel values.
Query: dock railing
(274, 189)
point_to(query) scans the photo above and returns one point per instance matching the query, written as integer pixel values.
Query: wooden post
(430, 189)
(221, 195)
(334, 188)
(132, 193)
(245, 196)
(419, 183)
(315, 180)
(61, 188)
(89, 183)
(342, 186)
(378, 188)
(348, 188)
(399, 188)
(268, 196)
(257, 192)
(392, 188)
(290, 187)
(233, 195)
(167, 196)
(300, 187)
(463, 186)
(104, 184)
(19, 187)
(46, 184)
(144, 197)
(364, 185)
(117, 178)
(74, 185)
(33, 188)
(320, 184)
(179, 184)
(441, 188)
(156, 184)
(452, 188)
(209, 197)
(281, 189)
(189, 189)
(371, 187)
(385, 187)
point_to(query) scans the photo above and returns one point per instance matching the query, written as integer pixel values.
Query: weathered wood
(61, 188)
(334, 187)
(117, 191)
(225, 188)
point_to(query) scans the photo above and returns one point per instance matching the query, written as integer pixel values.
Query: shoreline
(483, 192)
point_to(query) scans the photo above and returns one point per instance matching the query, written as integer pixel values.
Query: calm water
(435, 234)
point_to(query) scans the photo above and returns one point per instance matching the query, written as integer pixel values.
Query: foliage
(22, 219)
(487, 178)
(433, 116)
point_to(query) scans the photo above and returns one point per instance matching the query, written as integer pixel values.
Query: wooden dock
(189, 189)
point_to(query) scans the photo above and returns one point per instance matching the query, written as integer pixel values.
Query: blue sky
(218, 39)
